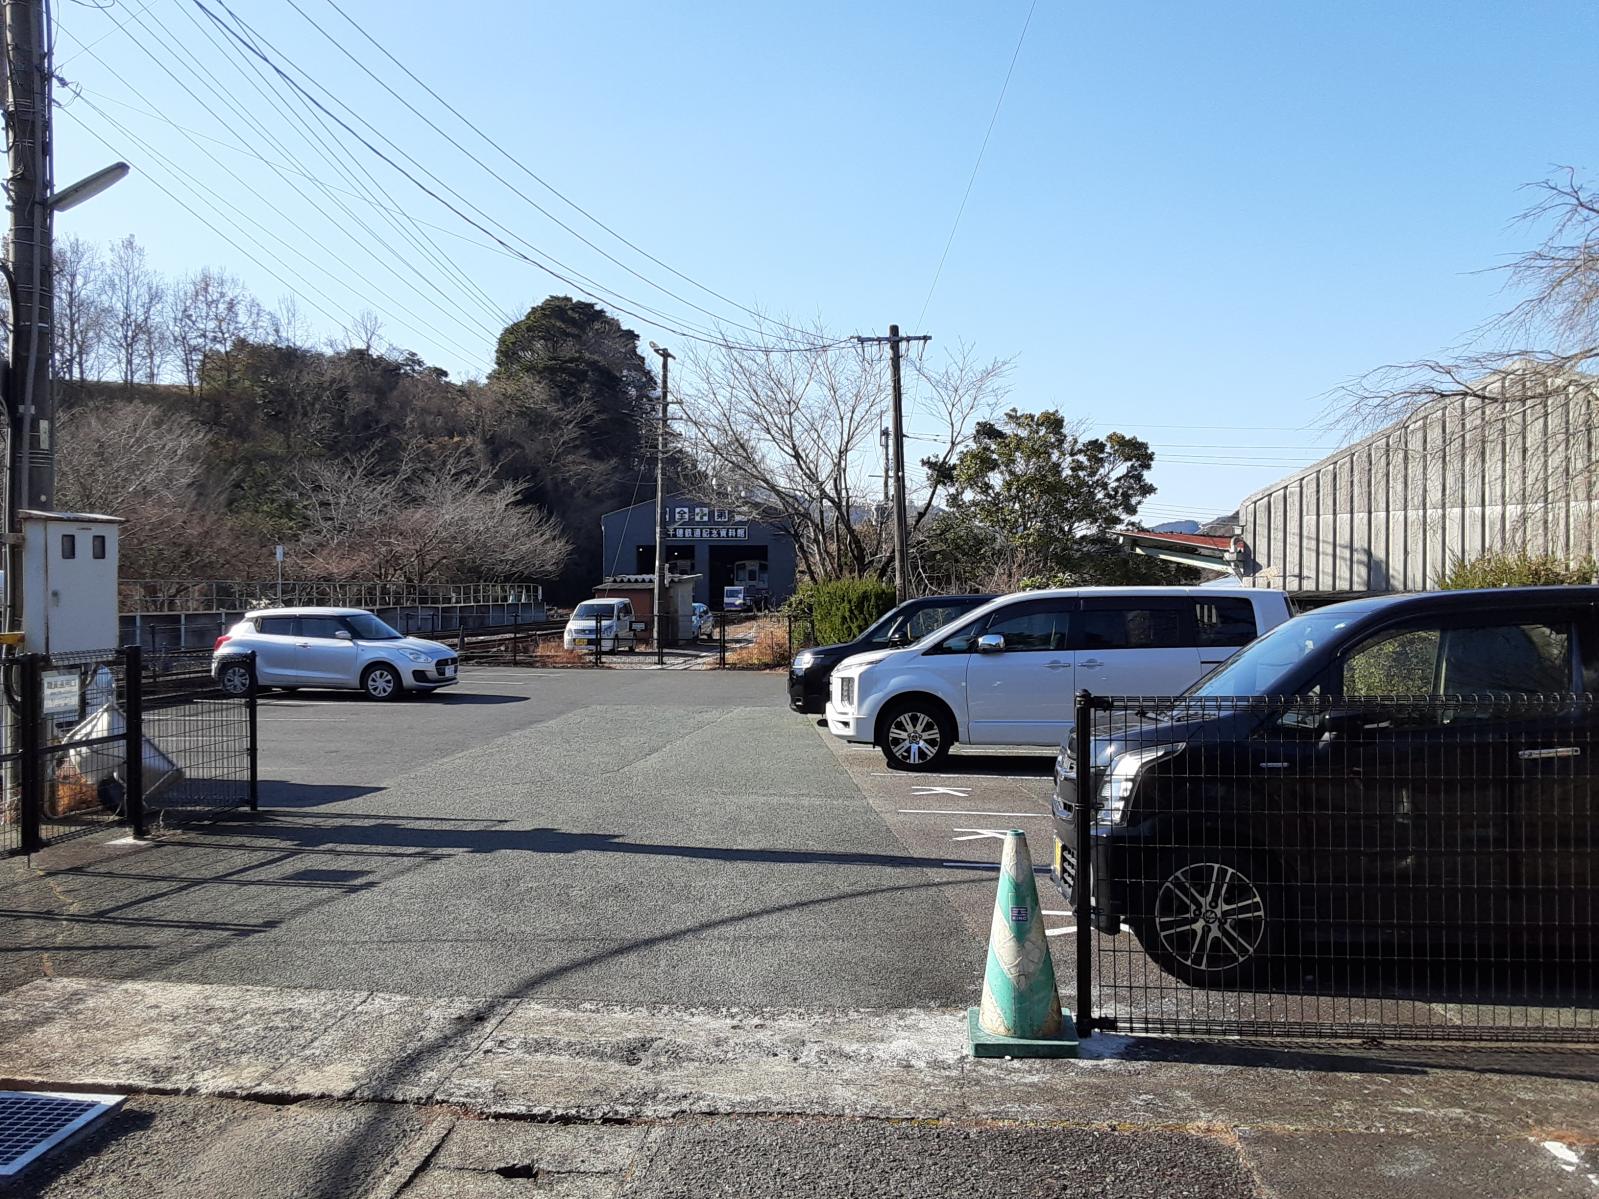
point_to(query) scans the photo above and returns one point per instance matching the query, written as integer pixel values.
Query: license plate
(580, 641)
(449, 672)
(1059, 866)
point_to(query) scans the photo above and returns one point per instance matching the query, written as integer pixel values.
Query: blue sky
(1192, 220)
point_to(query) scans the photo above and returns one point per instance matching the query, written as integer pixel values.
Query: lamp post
(660, 504)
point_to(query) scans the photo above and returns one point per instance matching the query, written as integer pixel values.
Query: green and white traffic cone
(1020, 1014)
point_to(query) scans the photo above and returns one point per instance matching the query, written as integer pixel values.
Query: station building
(724, 546)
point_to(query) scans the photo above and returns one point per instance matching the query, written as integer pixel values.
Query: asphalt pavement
(625, 836)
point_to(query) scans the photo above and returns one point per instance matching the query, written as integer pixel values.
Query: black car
(812, 669)
(1398, 776)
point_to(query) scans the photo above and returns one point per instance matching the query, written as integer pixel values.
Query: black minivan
(809, 676)
(1400, 776)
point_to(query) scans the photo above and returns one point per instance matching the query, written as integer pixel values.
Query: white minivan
(1009, 672)
(608, 621)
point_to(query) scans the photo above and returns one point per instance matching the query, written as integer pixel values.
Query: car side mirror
(897, 637)
(991, 643)
(344, 635)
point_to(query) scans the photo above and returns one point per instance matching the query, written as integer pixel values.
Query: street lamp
(88, 187)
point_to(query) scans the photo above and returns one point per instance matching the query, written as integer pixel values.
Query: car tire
(236, 678)
(915, 735)
(382, 682)
(1214, 919)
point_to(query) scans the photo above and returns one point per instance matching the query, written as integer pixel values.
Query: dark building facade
(724, 546)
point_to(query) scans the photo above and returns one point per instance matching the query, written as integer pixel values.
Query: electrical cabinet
(69, 582)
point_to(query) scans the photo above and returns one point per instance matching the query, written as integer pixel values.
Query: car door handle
(302, 644)
(1056, 665)
(1563, 751)
(1089, 662)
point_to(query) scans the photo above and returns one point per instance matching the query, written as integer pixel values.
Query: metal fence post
(31, 773)
(516, 635)
(721, 653)
(596, 641)
(1082, 868)
(253, 720)
(133, 718)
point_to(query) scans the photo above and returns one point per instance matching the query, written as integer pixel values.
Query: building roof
(1201, 540)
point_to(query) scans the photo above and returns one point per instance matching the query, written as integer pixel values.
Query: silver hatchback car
(346, 648)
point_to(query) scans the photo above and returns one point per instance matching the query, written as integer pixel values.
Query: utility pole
(660, 502)
(902, 582)
(29, 408)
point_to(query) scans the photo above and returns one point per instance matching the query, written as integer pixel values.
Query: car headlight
(1122, 776)
(804, 660)
(417, 655)
(1063, 765)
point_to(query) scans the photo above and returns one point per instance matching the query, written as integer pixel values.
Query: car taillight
(221, 641)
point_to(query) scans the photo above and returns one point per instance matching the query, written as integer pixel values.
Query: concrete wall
(1458, 479)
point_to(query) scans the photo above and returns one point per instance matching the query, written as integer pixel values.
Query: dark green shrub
(841, 609)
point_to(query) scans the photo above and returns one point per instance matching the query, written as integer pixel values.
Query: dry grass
(548, 651)
(769, 649)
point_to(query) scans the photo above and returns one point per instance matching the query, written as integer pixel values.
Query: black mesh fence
(1382, 868)
(118, 737)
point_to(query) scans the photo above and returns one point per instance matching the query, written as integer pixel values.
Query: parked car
(345, 648)
(704, 621)
(608, 621)
(812, 670)
(1228, 832)
(1008, 673)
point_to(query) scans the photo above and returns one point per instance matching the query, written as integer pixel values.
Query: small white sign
(279, 554)
(61, 693)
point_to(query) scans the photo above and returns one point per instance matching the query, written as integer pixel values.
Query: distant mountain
(1177, 526)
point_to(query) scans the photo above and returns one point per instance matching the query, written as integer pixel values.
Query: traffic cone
(1020, 1014)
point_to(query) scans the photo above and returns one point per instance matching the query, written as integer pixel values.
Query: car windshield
(590, 610)
(369, 628)
(1264, 666)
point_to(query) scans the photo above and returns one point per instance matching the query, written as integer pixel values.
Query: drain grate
(32, 1122)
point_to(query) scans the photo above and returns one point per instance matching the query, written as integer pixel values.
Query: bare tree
(422, 519)
(210, 312)
(149, 466)
(795, 434)
(80, 313)
(1538, 349)
(134, 297)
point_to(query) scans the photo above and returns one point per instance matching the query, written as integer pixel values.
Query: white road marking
(990, 866)
(957, 792)
(977, 834)
(1059, 932)
(965, 812)
(1026, 778)
(1053, 912)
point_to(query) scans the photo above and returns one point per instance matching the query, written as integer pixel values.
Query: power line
(689, 332)
(981, 150)
(516, 162)
(409, 272)
(343, 49)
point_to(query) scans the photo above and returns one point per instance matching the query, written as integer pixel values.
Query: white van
(610, 621)
(1009, 672)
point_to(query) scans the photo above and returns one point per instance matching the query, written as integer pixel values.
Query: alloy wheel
(236, 680)
(1210, 917)
(381, 683)
(914, 737)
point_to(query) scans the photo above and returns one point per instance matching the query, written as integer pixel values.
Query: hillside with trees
(219, 430)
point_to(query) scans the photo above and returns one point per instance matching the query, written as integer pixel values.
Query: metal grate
(32, 1122)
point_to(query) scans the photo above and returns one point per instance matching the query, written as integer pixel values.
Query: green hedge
(1515, 570)
(842, 608)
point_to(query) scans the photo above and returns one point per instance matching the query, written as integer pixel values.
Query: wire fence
(1390, 868)
(109, 737)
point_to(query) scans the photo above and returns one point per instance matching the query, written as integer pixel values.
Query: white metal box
(69, 582)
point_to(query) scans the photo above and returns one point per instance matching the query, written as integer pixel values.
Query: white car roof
(254, 612)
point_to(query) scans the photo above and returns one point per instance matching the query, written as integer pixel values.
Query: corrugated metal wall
(1460, 478)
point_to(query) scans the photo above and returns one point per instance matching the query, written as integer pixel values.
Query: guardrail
(155, 596)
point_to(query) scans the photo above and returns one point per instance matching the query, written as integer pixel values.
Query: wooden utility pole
(660, 502)
(29, 408)
(902, 581)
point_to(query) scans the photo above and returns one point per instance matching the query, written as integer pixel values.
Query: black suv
(1401, 776)
(809, 676)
